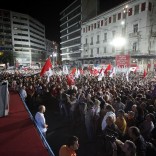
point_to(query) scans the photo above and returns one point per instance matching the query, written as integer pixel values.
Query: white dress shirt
(40, 119)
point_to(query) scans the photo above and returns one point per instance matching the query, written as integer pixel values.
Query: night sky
(47, 12)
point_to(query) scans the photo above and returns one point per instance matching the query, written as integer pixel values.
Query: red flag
(81, 71)
(145, 73)
(70, 80)
(73, 71)
(108, 68)
(95, 72)
(46, 66)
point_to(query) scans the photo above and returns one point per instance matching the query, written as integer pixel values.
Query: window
(119, 16)
(113, 34)
(110, 19)
(150, 6)
(97, 50)
(143, 6)
(114, 18)
(124, 15)
(135, 28)
(130, 12)
(98, 37)
(91, 53)
(91, 41)
(86, 41)
(105, 50)
(94, 25)
(89, 28)
(83, 30)
(101, 23)
(98, 24)
(105, 37)
(136, 10)
(135, 46)
(106, 22)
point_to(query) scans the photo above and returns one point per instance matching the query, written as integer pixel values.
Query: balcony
(85, 56)
(136, 34)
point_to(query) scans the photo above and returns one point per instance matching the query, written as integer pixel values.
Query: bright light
(54, 54)
(118, 42)
(123, 23)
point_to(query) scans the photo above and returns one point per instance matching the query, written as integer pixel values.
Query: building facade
(134, 21)
(5, 37)
(28, 39)
(70, 30)
(22, 39)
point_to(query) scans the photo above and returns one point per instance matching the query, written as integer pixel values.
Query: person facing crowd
(40, 119)
(70, 148)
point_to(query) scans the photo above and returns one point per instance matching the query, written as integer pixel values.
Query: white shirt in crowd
(23, 93)
(40, 119)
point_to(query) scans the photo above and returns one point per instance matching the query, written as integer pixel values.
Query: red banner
(122, 60)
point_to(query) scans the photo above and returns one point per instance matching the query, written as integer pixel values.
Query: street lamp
(54, 54)
(118, 42)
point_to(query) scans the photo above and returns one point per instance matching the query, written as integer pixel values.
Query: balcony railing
(136, 34)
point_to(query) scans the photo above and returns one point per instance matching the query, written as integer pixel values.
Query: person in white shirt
(40, 119)
(110, 111)
(23, 93)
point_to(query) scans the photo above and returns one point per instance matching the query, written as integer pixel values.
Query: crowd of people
(118, 115)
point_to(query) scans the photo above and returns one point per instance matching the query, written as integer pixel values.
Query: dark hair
(118, 99)
(72, 140)
(110, 108)
(135, 131)
(131, 147)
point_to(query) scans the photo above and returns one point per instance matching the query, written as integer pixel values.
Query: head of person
(134, 132)
(42, 108)
(109, 120)
(73, 143)
(118, 99)
(131, 115)
(121, 113)
(150, 117)
(129, 148)
(109, 108)
(97, 102)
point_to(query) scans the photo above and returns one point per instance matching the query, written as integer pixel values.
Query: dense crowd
(118, 115)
